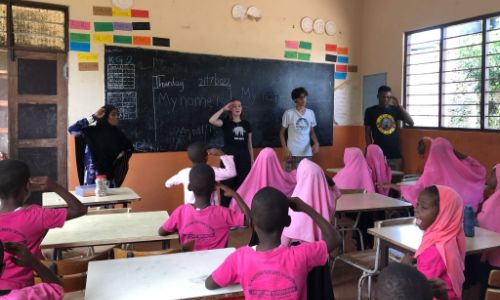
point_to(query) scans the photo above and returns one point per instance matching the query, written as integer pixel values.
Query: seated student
(49, 289)
(404, 282)
(271, 270)
(439, 212)
(446, 166)
(198, 154)
(28, 224)
(266, 171)
(423, 150)
(356, 173)
(381, 172)
(206, 224)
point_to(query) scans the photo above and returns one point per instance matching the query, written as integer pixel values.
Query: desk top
(409, 238)
(108, 229)
(172, 276)
(115, 196)
(368, 202)
(394, 172)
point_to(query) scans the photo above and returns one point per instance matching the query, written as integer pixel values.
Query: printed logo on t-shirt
(198, 231)
(239, 133)
(302, 124)
(386, 124)
(272, 284)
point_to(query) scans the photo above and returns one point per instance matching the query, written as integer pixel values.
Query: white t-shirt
(299, 129)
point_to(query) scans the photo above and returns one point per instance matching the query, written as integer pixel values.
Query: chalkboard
(165, 98)
(37, 121)
(29, 80)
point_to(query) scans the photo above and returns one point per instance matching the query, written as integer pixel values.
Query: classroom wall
(384, 24)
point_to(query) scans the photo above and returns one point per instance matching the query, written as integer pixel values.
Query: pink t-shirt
(280, 273)
(41, 291)
(27, 226)
(208, 227)
(431, 264)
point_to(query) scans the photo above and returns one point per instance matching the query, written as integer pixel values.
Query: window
(452, 75)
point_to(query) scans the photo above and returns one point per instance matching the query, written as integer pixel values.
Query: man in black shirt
(382, 125)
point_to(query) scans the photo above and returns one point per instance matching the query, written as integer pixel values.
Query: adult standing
(101, 148)
(382, 126)
(237, 142)
(300, 122)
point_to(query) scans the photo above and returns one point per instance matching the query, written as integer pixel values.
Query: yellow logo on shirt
(386, 124)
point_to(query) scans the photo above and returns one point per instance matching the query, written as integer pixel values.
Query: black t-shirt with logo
(384, 123)
(236, 136)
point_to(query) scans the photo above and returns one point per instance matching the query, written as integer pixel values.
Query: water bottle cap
(100, 177)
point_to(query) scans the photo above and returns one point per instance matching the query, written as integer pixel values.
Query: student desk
(171, 276)
(407, 238)
(122, 195)
(359, 203)
(395, 173)
(108, 229)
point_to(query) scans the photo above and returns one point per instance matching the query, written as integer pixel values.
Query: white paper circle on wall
(123, 4)
(306, 24)
(254, 13)
(238, 12)
(330, 28)
(319, 26)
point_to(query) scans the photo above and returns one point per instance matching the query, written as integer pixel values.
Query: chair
(368, 260)
(122, 253)
(347, 224)
(493, 281)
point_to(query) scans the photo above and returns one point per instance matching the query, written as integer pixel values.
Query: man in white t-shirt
(300, 122)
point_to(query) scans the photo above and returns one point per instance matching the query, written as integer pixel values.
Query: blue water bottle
(469, 221)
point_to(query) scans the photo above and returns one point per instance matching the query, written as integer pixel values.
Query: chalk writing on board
(126, 102)
(176, 101)
(213, 80)
(121, 76)
(161, 82)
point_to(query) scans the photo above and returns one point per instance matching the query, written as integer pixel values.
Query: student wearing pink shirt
(206, 224)
(49, 289)
(28, 224)
(273, 271)
(198, 154)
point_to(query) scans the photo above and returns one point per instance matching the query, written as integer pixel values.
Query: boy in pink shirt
(275, 271)
(49, 289)
(208, 225)
(198, 154)
(28, 224)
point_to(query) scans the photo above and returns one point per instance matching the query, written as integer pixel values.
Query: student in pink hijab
(356, 173)
(439, 212)
(266, 171)
(446, 166)
(381, 172)
(313, 188)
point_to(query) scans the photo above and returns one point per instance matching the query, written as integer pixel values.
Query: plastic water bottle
(469, 221)
(101, 186)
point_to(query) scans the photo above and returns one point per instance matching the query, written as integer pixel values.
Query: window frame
(483, 44)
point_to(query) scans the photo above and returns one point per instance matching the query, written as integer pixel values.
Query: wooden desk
(108, 229)
(173, 276)
(407, 238)
(368, 202)
(122, 195)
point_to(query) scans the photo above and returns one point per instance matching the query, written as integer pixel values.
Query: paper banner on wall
(79, 47)
(122, 39)
(103, 26)
(116, 12)
(162, 42)
(340, 76)
(141, 26)
(341, 68)
(138, 13)
(343, 51)
(142, 40)
(291, 54)
(79, 37)
(102, 38)
(343, 59)
(352, 69)
(332, 58)
(305, 45)
(88, 57)
(102, 11)
(122, 26)
(292, 44)
(88, 66)
(77, 24)
(304, 56)
(330, 47)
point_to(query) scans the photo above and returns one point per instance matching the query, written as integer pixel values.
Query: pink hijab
(443, 167)
(313, 189)
(488, 218)
(266, 171)
(355, 174)
(381, 172)
(447, 234)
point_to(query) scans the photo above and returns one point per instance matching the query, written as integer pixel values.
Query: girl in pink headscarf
(381, 172)
(313, 189)
(439, 212)
(356, 173)
(266, 171)
(446, 166)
